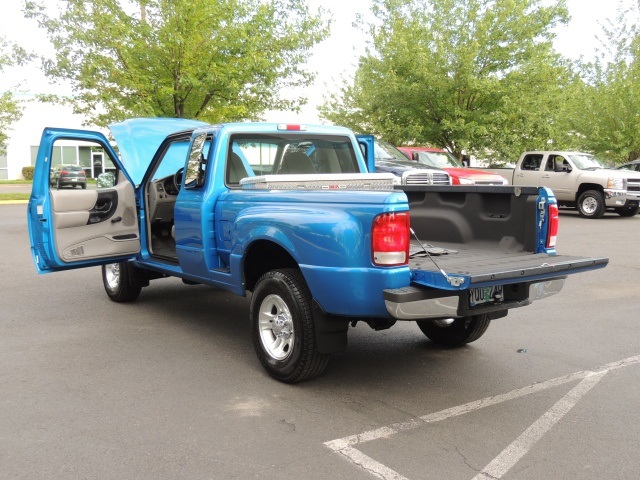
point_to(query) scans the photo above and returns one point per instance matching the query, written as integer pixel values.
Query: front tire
(591, 204)
(627, 211)
(121, 281)
(455, 332)
(283, 329)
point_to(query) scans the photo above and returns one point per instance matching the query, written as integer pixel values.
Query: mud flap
(331, 331)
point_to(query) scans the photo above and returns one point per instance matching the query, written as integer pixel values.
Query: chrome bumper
(619, 198)
(415, 303)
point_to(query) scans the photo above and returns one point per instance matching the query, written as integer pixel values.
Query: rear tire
(455, 332)
(121, 281)
(591, 204)
(282, 327)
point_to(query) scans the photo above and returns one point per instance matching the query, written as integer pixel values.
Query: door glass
(72, 168)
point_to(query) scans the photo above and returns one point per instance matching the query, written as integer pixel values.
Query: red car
(460, 175)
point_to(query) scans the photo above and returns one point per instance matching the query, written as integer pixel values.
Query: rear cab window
(288, 154)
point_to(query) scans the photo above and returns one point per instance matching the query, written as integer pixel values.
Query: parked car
(389, 159)
(436, 157)
(634, 165)
(67, 175)
(578, 180)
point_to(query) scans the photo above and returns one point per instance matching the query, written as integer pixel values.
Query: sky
(333, 59)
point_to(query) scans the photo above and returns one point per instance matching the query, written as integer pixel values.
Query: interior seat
(296, 162)
(235, 170)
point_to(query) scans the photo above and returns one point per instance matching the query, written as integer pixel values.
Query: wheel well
(588, 186)
(263, 256)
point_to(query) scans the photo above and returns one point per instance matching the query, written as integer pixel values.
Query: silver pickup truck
(578, 180)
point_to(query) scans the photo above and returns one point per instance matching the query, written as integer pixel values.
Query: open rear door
(367, 146)
(72, 227)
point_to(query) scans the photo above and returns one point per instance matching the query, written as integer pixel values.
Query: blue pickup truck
(290, 215)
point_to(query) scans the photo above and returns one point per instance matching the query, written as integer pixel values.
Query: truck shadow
(216, 324)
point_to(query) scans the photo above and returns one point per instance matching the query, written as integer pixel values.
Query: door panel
(71, 227)
(92, 224)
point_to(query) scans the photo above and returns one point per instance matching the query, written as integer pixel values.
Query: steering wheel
(177, 178)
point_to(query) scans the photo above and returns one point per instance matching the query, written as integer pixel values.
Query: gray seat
(296, 162)
(235, 170)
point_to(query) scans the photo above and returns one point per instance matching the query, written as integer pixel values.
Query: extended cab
(290, 214)
(578, 180)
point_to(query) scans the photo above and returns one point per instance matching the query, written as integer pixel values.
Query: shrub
(27, 173)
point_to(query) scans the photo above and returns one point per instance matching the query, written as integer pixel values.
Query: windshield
(386, 151)
(438, 159)
(584, 161)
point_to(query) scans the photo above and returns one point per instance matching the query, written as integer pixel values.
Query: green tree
(10, 108)
(606, 113)
(479, 76)
(216, 61)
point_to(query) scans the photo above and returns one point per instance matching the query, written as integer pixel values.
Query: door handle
(117, 219)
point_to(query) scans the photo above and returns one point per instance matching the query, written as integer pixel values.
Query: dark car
(391, 160)
(67, 175)
(634, 165)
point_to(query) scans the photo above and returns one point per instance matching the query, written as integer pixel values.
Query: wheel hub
(589, 205)
(277, 330)
(444, 323)
(112, 272)
(282, 326)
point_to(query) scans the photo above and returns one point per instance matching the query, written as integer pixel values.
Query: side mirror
(194, 173)
(106, 180)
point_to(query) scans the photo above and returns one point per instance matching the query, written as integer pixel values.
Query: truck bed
(490, 233)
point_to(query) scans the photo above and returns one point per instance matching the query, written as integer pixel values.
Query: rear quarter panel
(327, 233)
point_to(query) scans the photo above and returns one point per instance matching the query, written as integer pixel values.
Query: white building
(24, 139)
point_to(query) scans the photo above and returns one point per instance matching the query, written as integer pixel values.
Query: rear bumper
(418, 303)
(68, 181)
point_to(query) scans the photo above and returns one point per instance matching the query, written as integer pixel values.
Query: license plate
(74, 179)
(479, 296)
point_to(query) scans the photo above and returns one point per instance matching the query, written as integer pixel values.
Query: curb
(13, 202)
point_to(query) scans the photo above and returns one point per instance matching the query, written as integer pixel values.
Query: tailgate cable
(454, 281)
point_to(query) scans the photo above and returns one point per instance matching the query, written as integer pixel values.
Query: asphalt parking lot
(169, 386)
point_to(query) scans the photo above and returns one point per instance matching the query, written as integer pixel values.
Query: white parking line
(509, 456)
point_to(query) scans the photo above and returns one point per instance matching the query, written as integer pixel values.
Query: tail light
(64, 172)
(390, 239)
(554, 221)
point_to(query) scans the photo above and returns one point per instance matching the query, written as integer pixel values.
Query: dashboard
(162, 195)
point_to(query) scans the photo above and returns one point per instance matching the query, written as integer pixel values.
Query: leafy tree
(10, 109)
(479, 76)
(217, 60)
(606, 113)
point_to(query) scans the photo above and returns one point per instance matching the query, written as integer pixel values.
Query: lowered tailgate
(476, 268)
(467, 282)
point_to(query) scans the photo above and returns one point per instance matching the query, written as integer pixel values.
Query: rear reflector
(390, 239)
